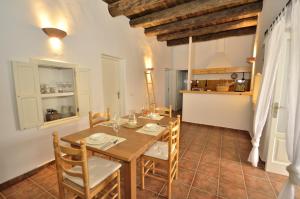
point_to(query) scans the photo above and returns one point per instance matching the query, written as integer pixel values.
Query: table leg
(76, 158)
(130, 179)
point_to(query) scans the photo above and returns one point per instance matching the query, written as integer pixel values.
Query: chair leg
(177, 162)
(119, 185)
(61, 192)
(153, 168)
(169, 189)
(142, 173)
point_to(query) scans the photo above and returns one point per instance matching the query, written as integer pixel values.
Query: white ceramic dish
(153, 115)
(151, 127)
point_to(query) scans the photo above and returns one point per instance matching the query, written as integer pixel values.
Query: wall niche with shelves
(58, 96)
(48, 92)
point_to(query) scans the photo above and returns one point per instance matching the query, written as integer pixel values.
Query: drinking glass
(132, 117)
(116, 125)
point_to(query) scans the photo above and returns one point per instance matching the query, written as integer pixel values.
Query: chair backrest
(96, 118)
(174, 133)
(65, 159)
(166, 111)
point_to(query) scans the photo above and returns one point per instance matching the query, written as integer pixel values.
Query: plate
(153, 115)
(151, 127)
(96, 136)
(132, 126)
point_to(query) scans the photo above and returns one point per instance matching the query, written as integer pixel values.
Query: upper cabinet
(50, 92)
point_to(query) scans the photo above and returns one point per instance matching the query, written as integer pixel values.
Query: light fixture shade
(54, 32)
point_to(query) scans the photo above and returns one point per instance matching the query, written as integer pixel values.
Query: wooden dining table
(127, 151)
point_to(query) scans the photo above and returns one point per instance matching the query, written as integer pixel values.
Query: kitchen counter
(216, 92)
(224, 109)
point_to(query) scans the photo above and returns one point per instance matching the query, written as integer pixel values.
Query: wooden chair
(85, 177)
(96, 118)
(164, 153)
(165, 111)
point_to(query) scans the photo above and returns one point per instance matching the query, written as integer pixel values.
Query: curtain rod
(273, 23)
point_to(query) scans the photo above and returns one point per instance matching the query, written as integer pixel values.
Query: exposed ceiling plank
(229, 33)
(190, 9)
(132, 7)
(110, 1)
(243, 23)
(231, 14)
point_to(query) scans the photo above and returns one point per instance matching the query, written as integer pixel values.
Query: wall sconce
(55, 36)
(55, 32)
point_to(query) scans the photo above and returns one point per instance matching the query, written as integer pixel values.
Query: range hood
(219, 59)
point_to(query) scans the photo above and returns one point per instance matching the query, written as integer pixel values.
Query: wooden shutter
(83, 91)
(27, 92)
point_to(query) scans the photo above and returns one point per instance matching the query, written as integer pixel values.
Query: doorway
(175, 81)
(113, 79)
(181, 84)
(277, 159)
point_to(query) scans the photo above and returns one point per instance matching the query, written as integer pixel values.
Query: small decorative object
(240, 85)
(59, 87)
(68, 87)
(52, 90)
(43, 89)
(52, 114)
(234, 76)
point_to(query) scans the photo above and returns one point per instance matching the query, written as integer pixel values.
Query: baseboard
(24, 176)
(197, 124)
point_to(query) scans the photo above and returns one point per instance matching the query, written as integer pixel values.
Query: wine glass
(116, 125)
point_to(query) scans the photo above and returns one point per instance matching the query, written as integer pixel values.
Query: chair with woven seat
(164, 111)
(97, 118)
(85, 177)
(165, 154)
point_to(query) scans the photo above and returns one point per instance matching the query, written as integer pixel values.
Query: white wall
(270, 10)
(92, 31)
(237, 49)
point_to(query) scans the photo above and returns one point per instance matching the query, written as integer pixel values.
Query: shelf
(222, 70)
(51, 95)
(247, 93)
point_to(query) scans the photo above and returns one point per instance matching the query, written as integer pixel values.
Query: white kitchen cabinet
(50, 93)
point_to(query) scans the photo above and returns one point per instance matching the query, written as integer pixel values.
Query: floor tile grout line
(160, 192)
(41, 187)
(219, 174)
(271, 186)
(2, 195)
(199, 161)
(244, 179)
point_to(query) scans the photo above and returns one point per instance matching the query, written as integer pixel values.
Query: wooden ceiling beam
(223, 16)
(110, 1)
(229, 33)
(243, 23)
(190, 9)
(132, 7)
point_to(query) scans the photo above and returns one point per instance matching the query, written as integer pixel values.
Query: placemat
(150, 118)
(104, 142)
(153, 133)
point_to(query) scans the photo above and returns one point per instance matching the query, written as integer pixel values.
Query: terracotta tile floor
(212, 165)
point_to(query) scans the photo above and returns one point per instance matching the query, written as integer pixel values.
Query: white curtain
(274, 56)
(293, 105)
